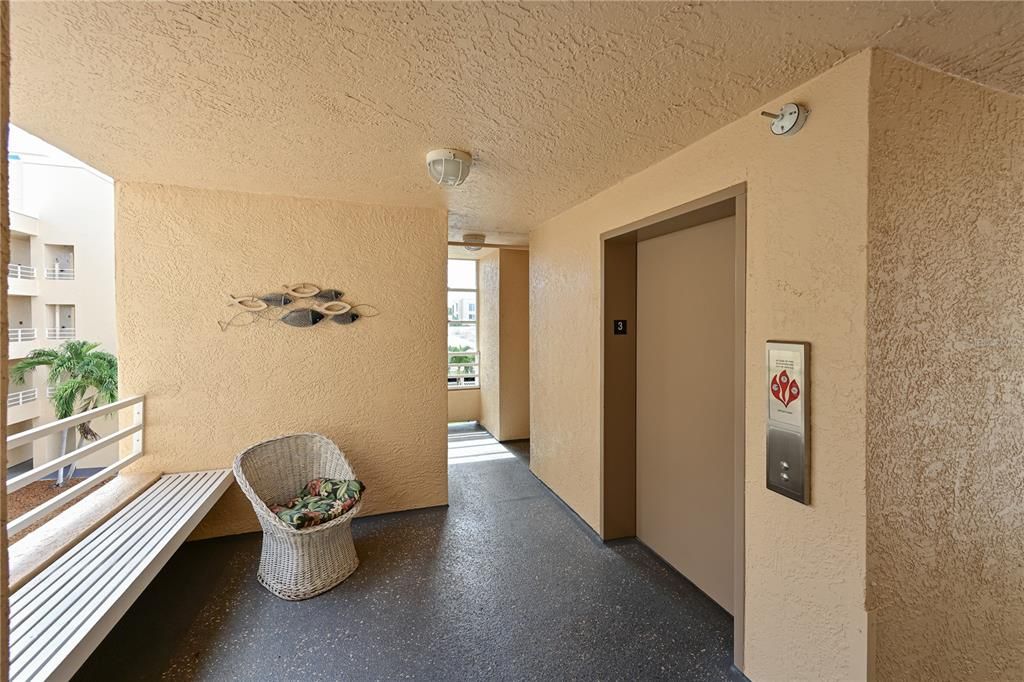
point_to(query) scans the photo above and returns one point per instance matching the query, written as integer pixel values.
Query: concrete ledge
(45, 544)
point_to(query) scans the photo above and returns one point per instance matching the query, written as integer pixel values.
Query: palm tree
(84, 378)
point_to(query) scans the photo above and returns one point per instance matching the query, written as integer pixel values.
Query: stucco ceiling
(555, 100)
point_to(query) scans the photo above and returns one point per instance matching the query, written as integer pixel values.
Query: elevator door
(685, 402)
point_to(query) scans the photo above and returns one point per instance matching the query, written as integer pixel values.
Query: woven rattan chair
(297, 564)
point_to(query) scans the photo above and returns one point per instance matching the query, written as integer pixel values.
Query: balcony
(21, 334)
(463, 370)
(60, 274)
(21, 342)
(21, 271)
(62, 334)
(21, 280)
(22, 405)
(22, 397)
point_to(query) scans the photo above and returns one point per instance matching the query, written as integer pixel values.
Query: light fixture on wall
(474, 240)
(789, 120)
(448, 167)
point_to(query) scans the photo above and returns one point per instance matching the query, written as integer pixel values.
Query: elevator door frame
(618, 372)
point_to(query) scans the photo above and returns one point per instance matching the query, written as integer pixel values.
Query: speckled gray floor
(505, 584)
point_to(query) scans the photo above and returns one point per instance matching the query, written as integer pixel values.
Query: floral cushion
(320, 501)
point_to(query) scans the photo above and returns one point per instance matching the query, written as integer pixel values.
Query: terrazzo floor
(504, 584)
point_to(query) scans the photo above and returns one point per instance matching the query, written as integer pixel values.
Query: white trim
(26, 437)
(19, 482)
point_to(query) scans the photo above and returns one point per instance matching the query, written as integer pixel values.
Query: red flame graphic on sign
(784, 390)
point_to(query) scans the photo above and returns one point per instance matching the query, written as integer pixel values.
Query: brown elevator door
(685, 335)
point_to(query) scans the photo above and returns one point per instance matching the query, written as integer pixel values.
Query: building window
(463, 351)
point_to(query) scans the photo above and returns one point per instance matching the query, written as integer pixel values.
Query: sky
(33, 149)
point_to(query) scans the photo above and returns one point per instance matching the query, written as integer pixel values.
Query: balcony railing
(21, 271)
(51, 391)
(22, 397)
(40, 472)
(60, 273)
(21, 334)
(464, 374)
(60, 334)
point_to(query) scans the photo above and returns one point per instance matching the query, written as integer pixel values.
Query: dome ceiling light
(448, 167)
(473, 242)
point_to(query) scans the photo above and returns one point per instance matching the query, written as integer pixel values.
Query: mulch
(34, 494)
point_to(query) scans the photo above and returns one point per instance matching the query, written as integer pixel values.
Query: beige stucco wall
(945, 370)
(806, 272)
(464, 405)
(375, 387)
(489, 338)
(515, 344)
(505, 344)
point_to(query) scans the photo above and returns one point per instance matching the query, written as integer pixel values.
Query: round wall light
(789, 120)
(448, 167)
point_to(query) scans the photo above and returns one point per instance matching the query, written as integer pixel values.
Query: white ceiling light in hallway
(448, 167)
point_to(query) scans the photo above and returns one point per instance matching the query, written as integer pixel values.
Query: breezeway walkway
(505, 583)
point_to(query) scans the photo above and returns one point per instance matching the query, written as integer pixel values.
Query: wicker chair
(297, 564)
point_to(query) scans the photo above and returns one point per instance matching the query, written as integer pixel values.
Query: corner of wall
(945, 362)
(489, 330)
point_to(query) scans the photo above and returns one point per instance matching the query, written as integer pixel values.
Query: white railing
(60, 334)
(60, 273)
(21, 271)
(26, 437)
(464, 374)
(51, 391)
(21, 334)
(22, 397)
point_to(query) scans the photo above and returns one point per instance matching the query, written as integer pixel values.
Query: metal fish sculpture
(250, 303)
(328, 295)
(347, 318)
(301, 290)
(277, 300)
(333, 308)
(306, 317)
(244, 318)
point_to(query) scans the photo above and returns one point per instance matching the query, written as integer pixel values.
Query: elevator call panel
(789, 419)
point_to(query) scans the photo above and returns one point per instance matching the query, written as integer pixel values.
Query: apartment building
(60, 281)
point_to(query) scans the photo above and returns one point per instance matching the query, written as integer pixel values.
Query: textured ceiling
(555, 100)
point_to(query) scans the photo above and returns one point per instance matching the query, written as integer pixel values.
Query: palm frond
(41, 357)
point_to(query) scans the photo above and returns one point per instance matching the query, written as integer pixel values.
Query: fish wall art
(296, 305)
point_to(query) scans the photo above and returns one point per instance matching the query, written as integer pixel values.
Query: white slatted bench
(61, 615)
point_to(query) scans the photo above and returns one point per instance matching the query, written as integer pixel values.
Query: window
(463, 351)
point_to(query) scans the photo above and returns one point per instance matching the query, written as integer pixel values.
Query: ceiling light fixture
(473, 239)
(448, 167)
